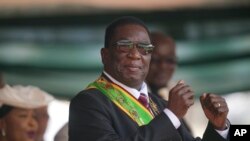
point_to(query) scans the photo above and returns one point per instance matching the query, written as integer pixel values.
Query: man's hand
(215, 109)
(181, 97)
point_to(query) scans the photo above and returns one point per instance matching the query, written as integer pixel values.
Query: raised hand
(181, 97)
(215, 109)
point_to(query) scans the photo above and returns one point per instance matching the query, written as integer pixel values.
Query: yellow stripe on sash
(124, 100)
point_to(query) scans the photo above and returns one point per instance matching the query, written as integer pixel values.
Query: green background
(61, 53)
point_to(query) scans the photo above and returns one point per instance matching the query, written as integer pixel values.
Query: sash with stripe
(124, 100)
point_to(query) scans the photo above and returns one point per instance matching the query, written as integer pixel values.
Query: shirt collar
(134, 92)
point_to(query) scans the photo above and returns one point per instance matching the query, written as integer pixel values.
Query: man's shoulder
(89, 91)
(91, 99)
(87, 94)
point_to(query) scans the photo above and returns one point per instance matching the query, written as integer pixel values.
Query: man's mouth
(133, 68)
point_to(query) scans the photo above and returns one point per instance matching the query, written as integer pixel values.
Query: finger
(202, 98)
(181, 82)
(190, 103)
(206, 101)
(220, 110)
(214, 97)
(221, 106)
(188, 99)
(177, 88)
(217, 101)
(185, 89)
(188, 96)
(180, 87)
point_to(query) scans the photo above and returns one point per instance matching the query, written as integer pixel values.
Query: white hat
(24, 97)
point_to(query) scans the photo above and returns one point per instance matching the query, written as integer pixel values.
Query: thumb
(202, 98)
(180, 82)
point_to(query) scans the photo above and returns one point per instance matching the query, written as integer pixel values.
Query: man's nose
(134, 53)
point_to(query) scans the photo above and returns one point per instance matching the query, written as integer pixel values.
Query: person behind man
(118, 107)
(162, 66)
(17, 116)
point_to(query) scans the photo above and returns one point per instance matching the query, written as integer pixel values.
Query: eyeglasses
(127, 45)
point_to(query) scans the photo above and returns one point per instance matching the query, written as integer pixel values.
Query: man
(109, 109)
(162, 66)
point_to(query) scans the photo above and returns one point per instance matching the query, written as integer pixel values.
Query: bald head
(159, 39)
(122, 21)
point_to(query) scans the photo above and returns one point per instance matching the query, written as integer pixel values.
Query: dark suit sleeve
(211, 134)
(89, 121)
(93, 117)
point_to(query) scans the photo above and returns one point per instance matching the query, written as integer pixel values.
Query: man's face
(163, 62)
(129, 68)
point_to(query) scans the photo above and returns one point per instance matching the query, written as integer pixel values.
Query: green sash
(125, 101)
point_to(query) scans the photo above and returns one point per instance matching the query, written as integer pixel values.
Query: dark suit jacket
(93, 117)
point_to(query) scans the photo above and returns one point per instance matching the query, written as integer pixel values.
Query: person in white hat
(17, 117)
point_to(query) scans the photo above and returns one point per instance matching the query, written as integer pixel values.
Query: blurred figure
(1, 80)
(62, 134)
(162, 65)
(42, 118)
(17, 115)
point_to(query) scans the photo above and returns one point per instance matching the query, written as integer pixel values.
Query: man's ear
(105, 55)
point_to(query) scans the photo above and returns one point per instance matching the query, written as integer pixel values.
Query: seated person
(17, 117)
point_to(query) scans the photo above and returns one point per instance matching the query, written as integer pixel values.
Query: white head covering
(29, 97)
